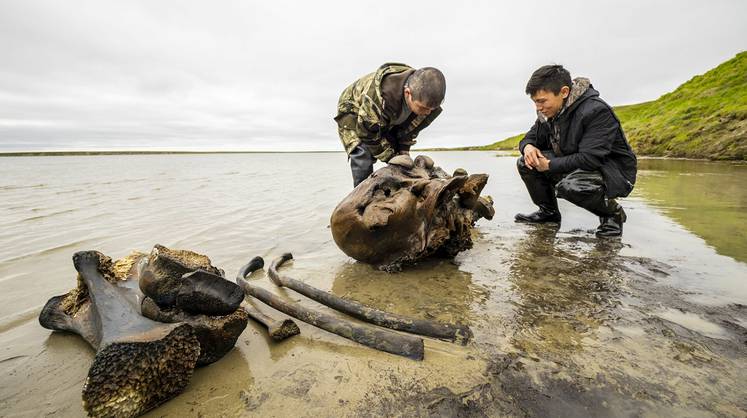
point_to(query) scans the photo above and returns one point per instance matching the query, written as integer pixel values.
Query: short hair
(550, 78)
(428, 86)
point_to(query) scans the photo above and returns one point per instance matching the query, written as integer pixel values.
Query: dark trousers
(582, 188)
(361, 164)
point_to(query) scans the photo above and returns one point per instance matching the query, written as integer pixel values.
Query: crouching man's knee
(580, 185)
(521, 165)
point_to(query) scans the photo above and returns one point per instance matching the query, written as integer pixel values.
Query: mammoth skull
(410, 210)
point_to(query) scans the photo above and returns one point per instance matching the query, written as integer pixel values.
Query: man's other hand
(532, 157)
(543, 164)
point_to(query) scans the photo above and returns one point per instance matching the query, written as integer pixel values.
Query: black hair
(428, 86)
(548, 77)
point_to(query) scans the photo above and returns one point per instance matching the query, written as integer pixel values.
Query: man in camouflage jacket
(381, 114)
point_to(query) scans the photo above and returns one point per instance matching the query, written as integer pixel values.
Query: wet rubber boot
(361, 164)
(612, 226)
(543, 215)
(541, 190)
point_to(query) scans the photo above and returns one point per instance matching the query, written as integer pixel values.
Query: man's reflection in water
(433, 289)
(565, 286)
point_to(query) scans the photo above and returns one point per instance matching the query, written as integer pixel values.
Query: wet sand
(565, 324)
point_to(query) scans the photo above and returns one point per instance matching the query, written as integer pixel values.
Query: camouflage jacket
(361, 118)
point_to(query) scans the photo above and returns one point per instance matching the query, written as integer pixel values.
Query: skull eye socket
(388, 187)
(384, 192)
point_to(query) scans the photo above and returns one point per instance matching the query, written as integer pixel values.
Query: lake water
(651, 324)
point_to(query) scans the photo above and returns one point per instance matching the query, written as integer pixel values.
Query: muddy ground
(565, 324)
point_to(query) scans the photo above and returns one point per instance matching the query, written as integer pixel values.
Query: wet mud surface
(565, 324)
(591, 332)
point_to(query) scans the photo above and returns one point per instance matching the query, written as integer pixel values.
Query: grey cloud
(267, 75)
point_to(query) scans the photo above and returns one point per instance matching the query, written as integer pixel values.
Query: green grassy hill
(706, 117)
(508, 144)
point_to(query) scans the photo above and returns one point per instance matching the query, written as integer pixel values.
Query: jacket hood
(385, 70)
(579, 88)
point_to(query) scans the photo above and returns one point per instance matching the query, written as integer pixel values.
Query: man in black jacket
(576, 149)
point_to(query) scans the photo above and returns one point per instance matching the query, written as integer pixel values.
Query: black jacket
(591, 138)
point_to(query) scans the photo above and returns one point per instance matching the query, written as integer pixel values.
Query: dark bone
(168, 277)
(469, 196)
(139, 363)
(384, 340)
(457, 333)
(278, 329)
(217, 334)
(204, 293)
(207, 302)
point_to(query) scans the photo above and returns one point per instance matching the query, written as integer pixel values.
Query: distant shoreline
(84, 153)
(505, 153)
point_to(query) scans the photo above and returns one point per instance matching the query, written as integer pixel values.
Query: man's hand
(543, 164)
(532, 157)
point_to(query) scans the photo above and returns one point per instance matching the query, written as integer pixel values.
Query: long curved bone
(278, 329)
(457, 333)
(139, 363)
(380, 339)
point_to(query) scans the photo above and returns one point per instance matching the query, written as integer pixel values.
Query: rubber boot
(361, 164)
(612, 226)
(543, 215)
(542, 191)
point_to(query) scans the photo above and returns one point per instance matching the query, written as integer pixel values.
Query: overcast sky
(250, 75)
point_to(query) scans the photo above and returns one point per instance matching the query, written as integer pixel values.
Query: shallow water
(707, 198)
(652, 324)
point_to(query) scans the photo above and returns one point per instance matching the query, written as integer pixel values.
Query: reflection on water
(220, 387)
(558, 304)
(433, 289)
(693, 322)
(565, 287)
(709, 199)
